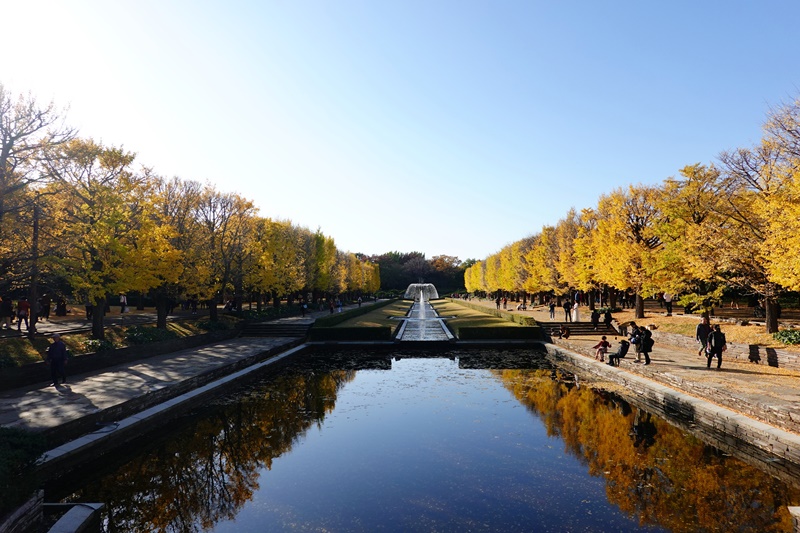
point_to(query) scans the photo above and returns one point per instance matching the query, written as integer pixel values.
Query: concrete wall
(772, 449)
(25, 517)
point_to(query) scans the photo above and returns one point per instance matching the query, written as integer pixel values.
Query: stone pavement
(762, 392)
(42, 407)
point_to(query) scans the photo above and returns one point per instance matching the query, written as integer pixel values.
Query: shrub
(208, 325)
(788, 336)
(19, 451)
(147, 334)
(98, 345)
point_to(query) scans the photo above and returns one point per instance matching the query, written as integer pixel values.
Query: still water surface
(337, 442)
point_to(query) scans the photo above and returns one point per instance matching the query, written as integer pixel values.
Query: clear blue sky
(446, 127)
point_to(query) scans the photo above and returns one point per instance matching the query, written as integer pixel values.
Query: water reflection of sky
(429, 446)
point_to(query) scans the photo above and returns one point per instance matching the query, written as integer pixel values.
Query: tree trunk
(639, 306)
(161, 311)
(612, 298)
(33, 296)
(140, 302)
(771, 312)
(99, 311)
(213, 312)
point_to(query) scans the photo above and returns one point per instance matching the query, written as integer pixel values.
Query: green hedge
(383, 333)
(788, 336)
(499, 333)
(499, 313)
(337, 318)
(19, 451)
(148, 334)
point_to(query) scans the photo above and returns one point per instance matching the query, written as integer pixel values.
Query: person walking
(716, 345)
(701, 335)
(57, 358)
(23, 311)
(6, 311)
(45, 306)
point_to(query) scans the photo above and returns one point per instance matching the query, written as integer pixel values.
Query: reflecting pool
(490, 441)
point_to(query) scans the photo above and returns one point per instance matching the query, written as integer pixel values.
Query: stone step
(579, 328)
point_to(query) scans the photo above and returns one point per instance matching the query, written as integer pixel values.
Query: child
(601, 348)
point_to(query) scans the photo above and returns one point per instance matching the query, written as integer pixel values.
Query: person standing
(701, 335)
(576, 314)
(123, 303)
(594, 318)
(636, 340)
(567, 309)
(716, 345)
(647, 344)
(668, 303)
(607, 318)
(57, 358)
(552, 310)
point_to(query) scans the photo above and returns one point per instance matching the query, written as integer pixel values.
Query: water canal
(489, 441)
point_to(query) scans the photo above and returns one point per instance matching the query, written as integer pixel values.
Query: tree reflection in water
(206, 470)
(653, 470)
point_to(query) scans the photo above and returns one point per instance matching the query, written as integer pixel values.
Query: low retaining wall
(87, 424)
(737, 352)
(147, 413)
(774, 449)
(40, 372)
(25, 517)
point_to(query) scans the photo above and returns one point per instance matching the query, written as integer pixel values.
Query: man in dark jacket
(716, 345)
(57, 357)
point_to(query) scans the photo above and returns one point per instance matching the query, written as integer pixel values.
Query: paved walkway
(42, 407)
(770, 394)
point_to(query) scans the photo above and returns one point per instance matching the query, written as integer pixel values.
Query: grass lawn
(467, 317)
(381, 317)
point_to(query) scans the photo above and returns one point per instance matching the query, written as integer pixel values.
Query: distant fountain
(415, 291)
(423, 323)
